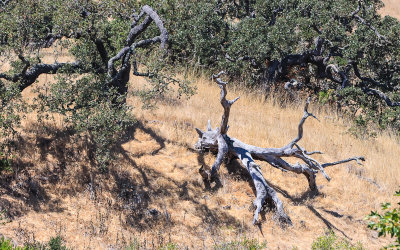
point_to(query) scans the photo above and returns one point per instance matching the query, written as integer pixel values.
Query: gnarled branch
(29, 74)
(218, 141)
(121, 77)
(224, 102)
(355, 15)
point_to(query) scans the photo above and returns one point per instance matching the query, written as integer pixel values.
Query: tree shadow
(238, 172)
(26, 183)
(328, 224)
(310, 194)
(215, 183)
(130, 135)
(296, 200)
(44, 152)
(140, 199)
(137, 200)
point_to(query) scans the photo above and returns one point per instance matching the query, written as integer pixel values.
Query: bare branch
(357, 159)
(136, 30)
(311, 162)
(157, 20)
(30, 75)
(363, 78)
(101, 49)
(226, 104)
(227, 146)
(120, 78)
(312, 152)
(263, 190)
(355, 15)
(300, 128)
(209, 125)
(111, 69)
(381, 95)
(222, 151)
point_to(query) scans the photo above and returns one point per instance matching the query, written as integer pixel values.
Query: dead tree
(226, 147)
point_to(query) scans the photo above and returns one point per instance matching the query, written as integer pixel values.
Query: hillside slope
(155, 194)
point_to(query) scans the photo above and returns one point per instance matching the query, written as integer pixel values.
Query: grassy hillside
(154, 195)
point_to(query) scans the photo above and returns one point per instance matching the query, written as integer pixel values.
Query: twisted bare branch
(357, 159)
(226, 104)
(355, 15)
(300, 130)
(29, 74)
(218, 141)
(120, 78)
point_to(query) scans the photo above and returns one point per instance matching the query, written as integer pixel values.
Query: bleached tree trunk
(218, 141)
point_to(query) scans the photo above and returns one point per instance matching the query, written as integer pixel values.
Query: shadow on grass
(238, 172)
(50, 156)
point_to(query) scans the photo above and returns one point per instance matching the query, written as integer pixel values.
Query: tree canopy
(340, 51)
(107, 41)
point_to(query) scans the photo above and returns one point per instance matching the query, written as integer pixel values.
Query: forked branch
(226, 104)
(120, 77)
(300, 130)
(219, 142)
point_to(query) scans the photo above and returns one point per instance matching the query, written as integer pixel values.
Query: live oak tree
(108, 41)
(341, 51)
(343, 46)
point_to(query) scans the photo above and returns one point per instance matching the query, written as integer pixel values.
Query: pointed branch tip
(209, 128)
(234, 100)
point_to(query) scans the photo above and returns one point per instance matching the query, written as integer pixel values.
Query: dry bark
(218, 141)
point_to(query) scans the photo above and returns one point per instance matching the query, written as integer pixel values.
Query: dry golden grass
(158, 170)
(391, 8)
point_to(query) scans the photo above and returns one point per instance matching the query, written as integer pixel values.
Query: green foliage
(196, 30)
(244, 243)
(387, 223)
(3, 217)
(169, 246)
(10, 105)
(137, 244)
(5, 163)
(246, 37)
(98, 114)
(330, 241)
(6, 244)
(91, 32)
(326, 96)
(55, 243)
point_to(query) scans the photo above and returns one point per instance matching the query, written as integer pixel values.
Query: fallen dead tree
(226, 147)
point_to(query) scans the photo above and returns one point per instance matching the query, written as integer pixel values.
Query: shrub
(55, 243)
(6, 244)
(331, 241)
(5, 163)
(387, 223)
(244, 243)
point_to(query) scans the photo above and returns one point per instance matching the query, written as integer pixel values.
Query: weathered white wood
(219, 142)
